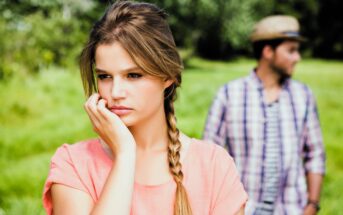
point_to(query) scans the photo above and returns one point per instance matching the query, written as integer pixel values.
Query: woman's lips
(121, 110)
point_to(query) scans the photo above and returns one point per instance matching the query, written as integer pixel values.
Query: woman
(141, 163)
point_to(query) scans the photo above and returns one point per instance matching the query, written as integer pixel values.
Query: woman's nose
(118, 89)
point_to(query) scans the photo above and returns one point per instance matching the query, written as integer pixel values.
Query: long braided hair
(142, 30)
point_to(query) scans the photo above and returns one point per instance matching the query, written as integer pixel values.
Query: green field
(39, 113)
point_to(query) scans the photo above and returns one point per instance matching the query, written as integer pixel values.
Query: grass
(40, 113)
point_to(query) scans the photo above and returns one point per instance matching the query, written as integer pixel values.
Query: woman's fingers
(93, 102)
(104, 112)
(101, 107)
(98, 112)
(91, 109)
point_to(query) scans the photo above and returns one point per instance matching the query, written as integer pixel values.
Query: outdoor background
(41, 94)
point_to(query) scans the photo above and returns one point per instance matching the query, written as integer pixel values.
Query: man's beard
(281, 72)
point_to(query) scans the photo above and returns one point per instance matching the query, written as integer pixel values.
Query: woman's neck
(151, 134)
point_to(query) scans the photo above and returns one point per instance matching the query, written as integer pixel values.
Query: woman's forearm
(117, 192)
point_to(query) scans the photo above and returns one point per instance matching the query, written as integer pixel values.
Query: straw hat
(276, 27)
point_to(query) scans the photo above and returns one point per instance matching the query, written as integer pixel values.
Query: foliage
(329, 37)
(213, 28)
(38, 34)
(220, 28)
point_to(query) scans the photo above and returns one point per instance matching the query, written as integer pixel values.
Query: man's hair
(259, 45)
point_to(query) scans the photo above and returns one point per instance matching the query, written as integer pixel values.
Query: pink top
(210, 178)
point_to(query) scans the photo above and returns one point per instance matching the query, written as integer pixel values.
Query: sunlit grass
(40, 113)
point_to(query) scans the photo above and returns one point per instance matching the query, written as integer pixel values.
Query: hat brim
(287, 36)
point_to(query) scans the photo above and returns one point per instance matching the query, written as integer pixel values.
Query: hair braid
(181, 206)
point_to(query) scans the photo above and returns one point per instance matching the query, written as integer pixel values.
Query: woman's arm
(115, 197)
(67, 200)
(117, 192)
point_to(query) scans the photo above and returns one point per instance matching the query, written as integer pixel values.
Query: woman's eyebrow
(98, 70)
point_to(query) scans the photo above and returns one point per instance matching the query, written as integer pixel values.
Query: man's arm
(314, 183)
(215, 127)
(314, 158)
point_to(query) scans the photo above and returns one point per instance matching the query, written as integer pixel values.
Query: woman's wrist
(116, 150)
(122, 145)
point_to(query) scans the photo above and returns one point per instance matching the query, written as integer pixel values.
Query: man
(270, 126)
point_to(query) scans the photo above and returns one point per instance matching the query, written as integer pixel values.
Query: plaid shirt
(237, 122)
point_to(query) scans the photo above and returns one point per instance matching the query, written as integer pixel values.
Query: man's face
(285, 57)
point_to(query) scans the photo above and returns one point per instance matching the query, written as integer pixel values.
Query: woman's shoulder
(212, 167)
(77, 151)
(209, 156)
(72, 166)
(208, 149)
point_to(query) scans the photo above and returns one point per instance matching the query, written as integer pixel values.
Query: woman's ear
(168, 83)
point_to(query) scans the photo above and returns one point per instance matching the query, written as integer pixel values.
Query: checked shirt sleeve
(314, 154)
(215, 128)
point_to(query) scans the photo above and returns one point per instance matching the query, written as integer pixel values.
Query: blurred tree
(226, 25)
(182, 19)
(328, 39)
(214, 28)
(220, 28)
(41, 33)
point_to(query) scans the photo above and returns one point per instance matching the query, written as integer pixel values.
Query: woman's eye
(134, 75)
(103, 76)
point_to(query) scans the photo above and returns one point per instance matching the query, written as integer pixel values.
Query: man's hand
(310, 210)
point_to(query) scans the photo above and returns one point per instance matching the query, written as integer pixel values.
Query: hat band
(291, 33)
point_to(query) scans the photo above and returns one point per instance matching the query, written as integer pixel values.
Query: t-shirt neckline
(108, 160)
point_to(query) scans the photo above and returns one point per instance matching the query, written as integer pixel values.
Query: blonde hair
(142, 30)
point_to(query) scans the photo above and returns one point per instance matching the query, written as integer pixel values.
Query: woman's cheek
(104, 90)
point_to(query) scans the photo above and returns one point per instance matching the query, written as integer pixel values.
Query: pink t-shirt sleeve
(62, 171)
(230, 195)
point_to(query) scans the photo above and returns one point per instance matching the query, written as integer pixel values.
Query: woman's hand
(117, 192)
(109, 126)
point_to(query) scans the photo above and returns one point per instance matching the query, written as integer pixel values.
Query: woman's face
(130, 93)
